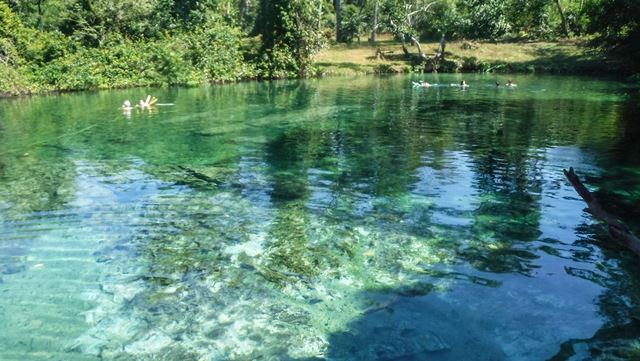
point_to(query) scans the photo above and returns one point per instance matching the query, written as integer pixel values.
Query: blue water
(338, 219)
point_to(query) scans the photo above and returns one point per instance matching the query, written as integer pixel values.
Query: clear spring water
(338, 219)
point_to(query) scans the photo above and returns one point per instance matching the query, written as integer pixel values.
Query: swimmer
(126, 106)
(511, 84)
(497, 84)
(463, 84)
(148, 102)
(421, 84)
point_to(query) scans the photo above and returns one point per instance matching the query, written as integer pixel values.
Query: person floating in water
(511, 84)
(143, 104)
(463, 84)
(148, 102)
(421, 84)
(126, 106)
(497, 84)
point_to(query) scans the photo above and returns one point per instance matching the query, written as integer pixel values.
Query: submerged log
(617, 229)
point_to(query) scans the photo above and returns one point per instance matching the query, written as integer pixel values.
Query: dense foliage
(86, 44)
(618, 26)
(289, 37)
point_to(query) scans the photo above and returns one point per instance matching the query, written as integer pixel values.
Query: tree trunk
(374, 26)
(40, 14)
(402, 38)
(404, 46)
(443, 44)
(565, 30)
(320, 15)
(243, 11)
(617, 230)
(338, 7)
(417, 44)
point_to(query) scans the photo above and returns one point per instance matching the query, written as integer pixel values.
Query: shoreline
(569, 57)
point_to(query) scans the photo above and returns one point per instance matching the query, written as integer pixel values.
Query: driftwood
(617, 229)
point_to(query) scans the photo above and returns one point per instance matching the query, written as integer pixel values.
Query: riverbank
(387, 56)
(121, 66)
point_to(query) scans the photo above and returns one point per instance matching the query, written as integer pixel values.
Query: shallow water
(341, 219)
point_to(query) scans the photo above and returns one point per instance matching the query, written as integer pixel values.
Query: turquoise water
(338, 219)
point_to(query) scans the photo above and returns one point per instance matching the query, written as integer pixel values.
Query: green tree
(95, 21)
(354, 23)
(530, 19)
(403, 16)
(289, 37)
(485, 19)
(617, 27)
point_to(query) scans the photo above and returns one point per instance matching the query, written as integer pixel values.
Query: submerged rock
(409, 342)
(214, 175)
(12, 268)
(154, 342)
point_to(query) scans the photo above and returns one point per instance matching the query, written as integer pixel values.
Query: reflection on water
(342, 219)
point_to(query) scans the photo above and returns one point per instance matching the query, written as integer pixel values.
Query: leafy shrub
(12, 81)
(486, 20)
(184, 59)
(354, 24)
(215, 50)
(277, 63)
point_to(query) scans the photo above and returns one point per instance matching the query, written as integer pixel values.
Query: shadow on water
(415, 328)
(618, 190)
(618, 338)
(419, 322)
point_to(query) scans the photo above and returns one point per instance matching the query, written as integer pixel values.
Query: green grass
(569, 56)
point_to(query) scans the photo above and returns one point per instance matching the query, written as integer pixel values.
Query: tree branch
(425, 8)
(617, 229)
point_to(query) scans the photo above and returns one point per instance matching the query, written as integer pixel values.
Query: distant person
(511, 84)
(497, 84)
(126, 106)
(421, 84)
(148, 102)
(463, 84)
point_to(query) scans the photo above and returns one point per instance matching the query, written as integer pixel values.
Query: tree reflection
(618, 272)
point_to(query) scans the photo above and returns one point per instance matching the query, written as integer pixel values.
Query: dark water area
(337, 219)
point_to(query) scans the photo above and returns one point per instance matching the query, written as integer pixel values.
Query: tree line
(85, 44)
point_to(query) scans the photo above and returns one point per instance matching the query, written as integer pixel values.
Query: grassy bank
(386, 56)
(206, 57)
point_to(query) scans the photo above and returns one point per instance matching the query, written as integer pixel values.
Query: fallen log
(617, 229)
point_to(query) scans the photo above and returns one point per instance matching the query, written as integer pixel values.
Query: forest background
(62, 45)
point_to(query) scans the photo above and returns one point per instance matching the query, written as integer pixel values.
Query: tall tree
(402, 19)
(565, 29)
(289, 37)
(617, 27)
(337, 5)
(320, 14)
(374, 22)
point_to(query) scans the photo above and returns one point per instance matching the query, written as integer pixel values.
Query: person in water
(423, 84)
(463, 84)
(497, 84)
(142, 104)
(510, 83)
(148, 102)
